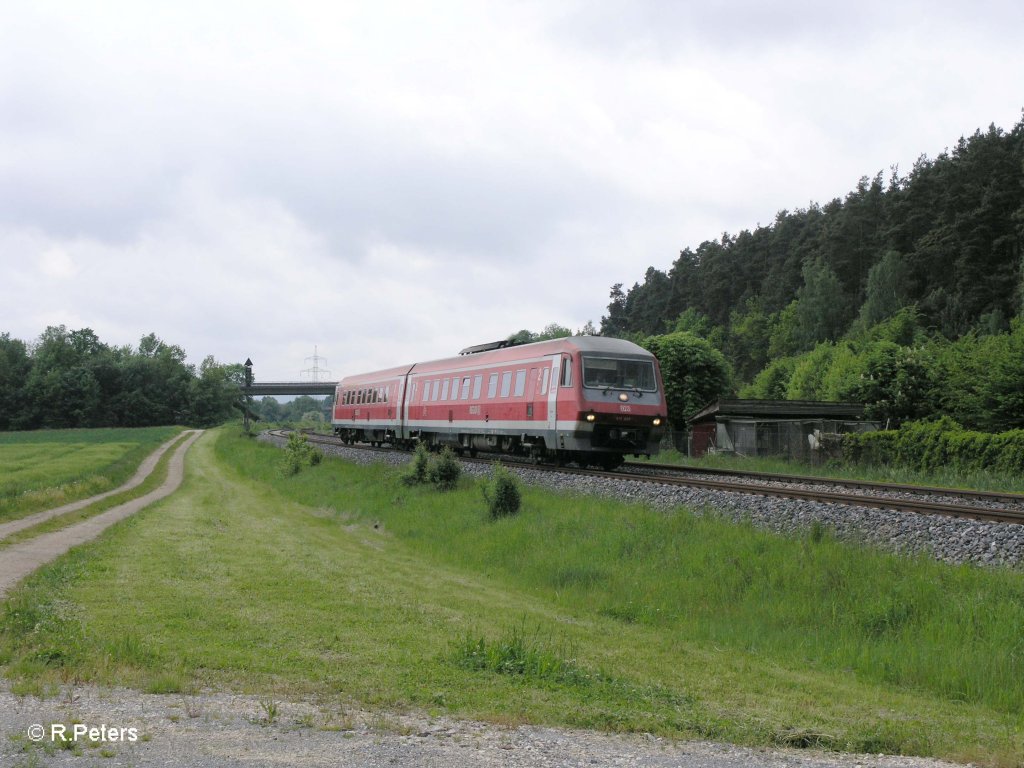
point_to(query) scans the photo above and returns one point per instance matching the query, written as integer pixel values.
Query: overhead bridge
(269, 388)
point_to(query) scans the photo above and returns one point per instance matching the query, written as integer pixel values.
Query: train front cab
(611, 403)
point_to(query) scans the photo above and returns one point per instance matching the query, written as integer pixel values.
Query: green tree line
(70, 379)
(902, 295)
(302, 408)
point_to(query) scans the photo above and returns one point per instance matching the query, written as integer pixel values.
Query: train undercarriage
(610, 450)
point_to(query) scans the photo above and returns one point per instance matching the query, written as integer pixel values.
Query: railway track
(905, 498)
(869, 485)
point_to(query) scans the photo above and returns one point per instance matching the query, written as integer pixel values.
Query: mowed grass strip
(375, 593)
(956, 631)
(46, 469)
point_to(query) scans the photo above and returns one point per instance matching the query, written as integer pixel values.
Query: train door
(555, 366)
(532, 392)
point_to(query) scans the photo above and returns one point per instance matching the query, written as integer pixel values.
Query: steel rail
(991, 496)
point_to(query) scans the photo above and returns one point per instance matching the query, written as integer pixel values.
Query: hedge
(934, 445)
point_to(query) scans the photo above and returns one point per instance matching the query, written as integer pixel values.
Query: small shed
(796, 429)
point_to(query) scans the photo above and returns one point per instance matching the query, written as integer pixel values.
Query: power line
(315, 371)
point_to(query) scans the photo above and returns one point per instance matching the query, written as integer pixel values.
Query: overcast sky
(394, 181)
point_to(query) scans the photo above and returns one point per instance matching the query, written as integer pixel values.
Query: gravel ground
(216, 729)
(953, 540)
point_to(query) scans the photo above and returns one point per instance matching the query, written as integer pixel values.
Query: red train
(583, 399)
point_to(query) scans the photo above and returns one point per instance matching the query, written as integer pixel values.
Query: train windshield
(609, 373)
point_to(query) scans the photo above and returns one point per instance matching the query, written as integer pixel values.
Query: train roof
(537, 349)
(505, 355)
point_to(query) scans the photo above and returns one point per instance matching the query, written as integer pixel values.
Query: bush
(445, 471)
(298, 454)
(935, 445)
(502, 493)
(419, 467)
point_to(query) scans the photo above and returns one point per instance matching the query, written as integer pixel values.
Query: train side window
(520, 383)
(544, 381)
(465, 389)
(506, 383)
(566, 371)
(478, 382)
(455, 388)
(492, 386)
(437, 391)
(444, 389)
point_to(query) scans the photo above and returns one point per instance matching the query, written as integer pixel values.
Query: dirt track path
(145, 469)
(19, 560)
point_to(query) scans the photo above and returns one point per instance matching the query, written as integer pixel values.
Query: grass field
(343, 584)
(45, 469)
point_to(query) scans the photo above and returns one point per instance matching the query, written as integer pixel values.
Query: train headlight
(657, 421)
(591, 417)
